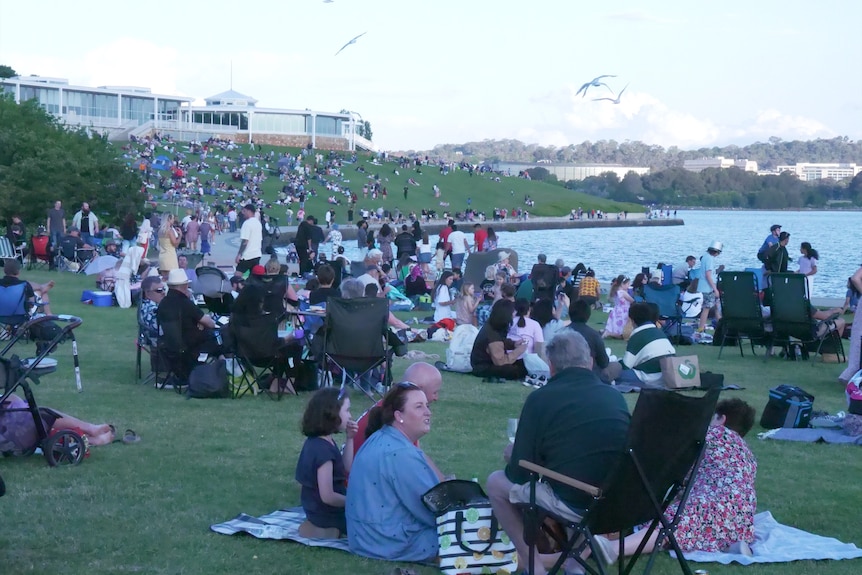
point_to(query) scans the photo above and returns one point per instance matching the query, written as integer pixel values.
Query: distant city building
(808, 172)
(566, 172)
(719, 162)
(121, 111)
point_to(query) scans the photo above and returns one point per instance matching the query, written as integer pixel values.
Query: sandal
(131, 437)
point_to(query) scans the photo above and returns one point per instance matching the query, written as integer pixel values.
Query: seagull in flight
(614, 100)
(353, 41)
(595, 82)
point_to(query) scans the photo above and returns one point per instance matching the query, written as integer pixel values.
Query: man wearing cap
(708, 283)
(196, 328)
(771, 239)
(251, 237)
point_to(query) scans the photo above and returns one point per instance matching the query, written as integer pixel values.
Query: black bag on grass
(306, 376)
(209, 380)
(788, 406)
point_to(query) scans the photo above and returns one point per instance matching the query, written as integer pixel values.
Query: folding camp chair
(13, 311)
(178, 359)
(658, 467)
(356, 343)
(740, 310)
(667, 300)
(7, 250)
(791, 316)
(41, 253)
(261, 354)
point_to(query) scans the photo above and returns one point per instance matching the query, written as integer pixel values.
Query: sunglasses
(160, 290)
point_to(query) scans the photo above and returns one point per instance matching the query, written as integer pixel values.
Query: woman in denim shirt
(386, 518)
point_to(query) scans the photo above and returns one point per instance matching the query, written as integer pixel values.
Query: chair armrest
(564, 479)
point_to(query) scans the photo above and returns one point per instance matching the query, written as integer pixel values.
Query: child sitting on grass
(322, 469)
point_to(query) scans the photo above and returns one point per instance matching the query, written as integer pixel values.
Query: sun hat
(502, 256)
(717, 246)
(178, 277)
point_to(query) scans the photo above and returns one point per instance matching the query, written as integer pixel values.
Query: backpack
(788, 406)
(460, 348)
(209, 380)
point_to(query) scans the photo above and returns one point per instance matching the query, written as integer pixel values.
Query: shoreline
(348, 232)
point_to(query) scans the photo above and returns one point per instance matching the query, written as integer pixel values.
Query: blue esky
(444, 71)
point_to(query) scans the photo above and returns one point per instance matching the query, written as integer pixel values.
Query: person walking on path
(251, 238)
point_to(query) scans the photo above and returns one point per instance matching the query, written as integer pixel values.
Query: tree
(366, 131)
(41, 162)
(7, 71)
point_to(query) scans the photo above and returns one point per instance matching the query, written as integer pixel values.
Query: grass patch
(147, 508)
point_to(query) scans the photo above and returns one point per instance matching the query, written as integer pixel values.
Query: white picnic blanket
(777, 543)
(281, 524)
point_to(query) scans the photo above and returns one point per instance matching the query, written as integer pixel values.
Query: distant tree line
(768, 155)
(715, 187)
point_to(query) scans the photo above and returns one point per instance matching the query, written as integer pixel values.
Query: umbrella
(100, 264)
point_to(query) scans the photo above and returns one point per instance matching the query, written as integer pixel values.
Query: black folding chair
(665, 444)
(667, 300)
(791, 316)
(262, 355)
(356, 343)
(740, 310)
(178, 358)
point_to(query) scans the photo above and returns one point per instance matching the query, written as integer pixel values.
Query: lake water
(614, 251)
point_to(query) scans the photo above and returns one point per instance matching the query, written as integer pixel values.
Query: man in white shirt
(251, 237)
(458, 240)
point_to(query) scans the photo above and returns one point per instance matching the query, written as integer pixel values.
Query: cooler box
(98, 298)
(666, 275)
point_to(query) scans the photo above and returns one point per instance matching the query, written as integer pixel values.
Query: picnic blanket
(777, 543)
(281, 524)
(813, 435)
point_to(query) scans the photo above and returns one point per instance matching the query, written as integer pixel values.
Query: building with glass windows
(121, 111)
(107, 108)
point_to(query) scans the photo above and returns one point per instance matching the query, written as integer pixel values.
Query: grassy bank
(484, 192)
(147, 508)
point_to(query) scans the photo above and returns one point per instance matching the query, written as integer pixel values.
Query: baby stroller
(215, 288)
(17, 437)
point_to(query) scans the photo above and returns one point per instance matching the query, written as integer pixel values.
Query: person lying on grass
(18, 430)
(322, 469)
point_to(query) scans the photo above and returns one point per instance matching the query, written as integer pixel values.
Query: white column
(119, 110)
(249, 117)
(156, 112)
(313, 130)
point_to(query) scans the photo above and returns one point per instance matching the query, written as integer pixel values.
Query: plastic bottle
(798, 351)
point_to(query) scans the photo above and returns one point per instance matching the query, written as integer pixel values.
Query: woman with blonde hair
(169, 239)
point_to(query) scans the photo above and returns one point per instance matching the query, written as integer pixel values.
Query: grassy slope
(147, 507)
(456, 187)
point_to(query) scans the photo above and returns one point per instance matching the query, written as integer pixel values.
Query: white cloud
(640, 16)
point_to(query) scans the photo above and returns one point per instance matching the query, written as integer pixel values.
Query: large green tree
(7, 71)
(41, 161)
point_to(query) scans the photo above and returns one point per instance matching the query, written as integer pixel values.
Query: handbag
(470, 539)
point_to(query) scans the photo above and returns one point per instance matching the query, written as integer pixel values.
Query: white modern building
(566, 172)
(121, 111)
(102, 108)
(808, 172)
(720, 162)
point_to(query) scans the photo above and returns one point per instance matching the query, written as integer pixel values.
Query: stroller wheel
(65, 447)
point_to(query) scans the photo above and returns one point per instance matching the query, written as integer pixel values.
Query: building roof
(233, 97)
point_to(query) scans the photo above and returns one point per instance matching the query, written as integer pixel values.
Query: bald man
(429, 380)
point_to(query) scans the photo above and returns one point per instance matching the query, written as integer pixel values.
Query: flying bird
(353, 41)
(595, 82)
(614, 100)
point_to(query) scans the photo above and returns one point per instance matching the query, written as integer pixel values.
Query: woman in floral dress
(719, 513)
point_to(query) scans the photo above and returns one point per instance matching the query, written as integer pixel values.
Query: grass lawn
(147, 508)
(456, 187)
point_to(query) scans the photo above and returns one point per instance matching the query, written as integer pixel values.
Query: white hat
(717, 246)
(178, 277)
(502, 255)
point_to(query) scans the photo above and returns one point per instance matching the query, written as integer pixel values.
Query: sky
(431, 72)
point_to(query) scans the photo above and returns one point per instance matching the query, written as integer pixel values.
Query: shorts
(709, 300)
(246, 265)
